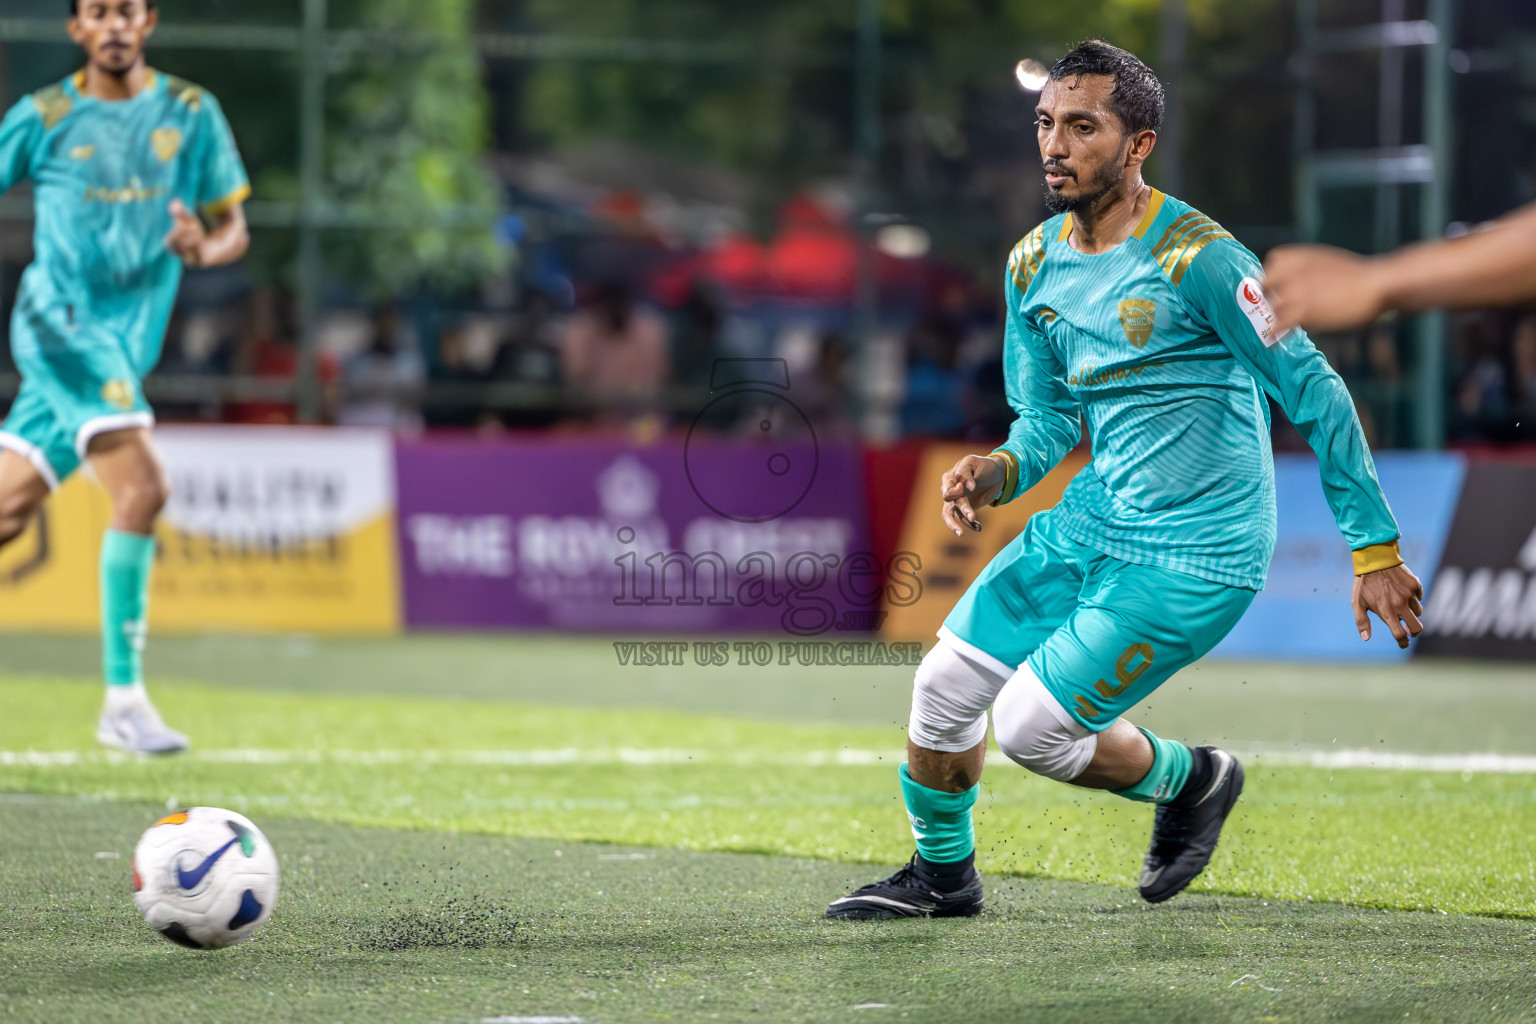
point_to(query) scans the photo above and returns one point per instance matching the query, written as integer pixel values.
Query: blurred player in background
(120, 156)
(1326, 289)
(1141, 314)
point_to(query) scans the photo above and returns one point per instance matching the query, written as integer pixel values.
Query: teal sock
(126, 559)
(1170, 769)
(941, 822)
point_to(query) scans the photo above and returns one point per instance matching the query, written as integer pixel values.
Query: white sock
(120, 698)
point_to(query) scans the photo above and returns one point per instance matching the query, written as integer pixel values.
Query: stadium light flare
(1032, 75)
(903, 241)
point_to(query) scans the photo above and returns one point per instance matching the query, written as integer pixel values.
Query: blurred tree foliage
(408, 128)
(784, 113)
(406, 137)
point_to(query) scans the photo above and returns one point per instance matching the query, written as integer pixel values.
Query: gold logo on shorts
(167, 142)
(118, 393)
(1136, 318)
(83, 152)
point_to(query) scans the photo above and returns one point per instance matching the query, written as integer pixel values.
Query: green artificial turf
(426, 796)
(383, 925)
(1420, 706)
(1456, 842)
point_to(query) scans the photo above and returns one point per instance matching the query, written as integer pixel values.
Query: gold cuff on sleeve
(219, 207)
(1011, 477)
(1377, 557)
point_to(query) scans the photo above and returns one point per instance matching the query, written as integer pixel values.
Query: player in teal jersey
(1139, 314)
(120, 156)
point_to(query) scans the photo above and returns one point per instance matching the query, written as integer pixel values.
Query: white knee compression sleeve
(1034, 730)
(950, 700)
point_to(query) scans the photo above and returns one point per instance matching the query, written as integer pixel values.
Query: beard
(1108, 176)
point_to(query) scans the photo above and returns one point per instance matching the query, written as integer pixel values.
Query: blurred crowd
(1495, 383)
(1488, 379)
(614, 358)
(622, 329)
(619, 326)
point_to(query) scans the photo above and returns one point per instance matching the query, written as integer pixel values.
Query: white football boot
(129, 721)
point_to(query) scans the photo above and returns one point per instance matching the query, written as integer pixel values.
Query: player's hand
(1322, 288)
(975, 481)
(187, 235)
(1397, 598)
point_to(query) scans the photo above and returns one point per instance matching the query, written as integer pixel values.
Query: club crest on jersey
(118, 393)
(167, 143)
(1136, 318)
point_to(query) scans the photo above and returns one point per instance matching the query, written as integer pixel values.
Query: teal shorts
(1100, 633)
(72, 389)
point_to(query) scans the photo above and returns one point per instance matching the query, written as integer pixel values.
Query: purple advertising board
(680, 536)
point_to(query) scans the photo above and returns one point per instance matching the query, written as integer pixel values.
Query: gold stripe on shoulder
(1016, 265)
(185, 91)
(1178, 232)
(1194, 234)
(53, 105)
(1172, 230)
(1027, 257)
(1154, 207)
(1066, 228)
(1036, 253)
(1016, 255)
(1178, 229)
(1028, 263)
(1177, 274)
(1196, 237)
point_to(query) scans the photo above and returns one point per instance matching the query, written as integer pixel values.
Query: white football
(205, 877)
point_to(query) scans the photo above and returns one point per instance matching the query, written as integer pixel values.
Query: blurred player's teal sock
(1170, 769)
(941, 821)
(126, 559)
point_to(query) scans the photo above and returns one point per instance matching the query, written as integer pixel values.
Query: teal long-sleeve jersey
(1163, 344)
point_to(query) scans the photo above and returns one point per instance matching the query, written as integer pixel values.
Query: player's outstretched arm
(1324, 289)
(1396, 596)
(190, 239)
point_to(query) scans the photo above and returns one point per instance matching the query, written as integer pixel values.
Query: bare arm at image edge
(1323, 288)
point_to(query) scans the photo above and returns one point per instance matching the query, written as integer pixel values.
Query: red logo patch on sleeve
(1251, 300)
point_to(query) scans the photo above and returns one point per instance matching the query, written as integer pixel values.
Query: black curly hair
(1138, 96)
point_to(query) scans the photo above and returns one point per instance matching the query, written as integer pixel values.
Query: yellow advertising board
(48, 575)
(950, 563)
(267, 530)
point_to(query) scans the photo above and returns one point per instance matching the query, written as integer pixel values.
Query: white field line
(508, 758)
(1259, 755)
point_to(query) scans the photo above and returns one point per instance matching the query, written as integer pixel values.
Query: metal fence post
(1434, 212)
(867, 295)
(311, 199)
(1175, 61)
